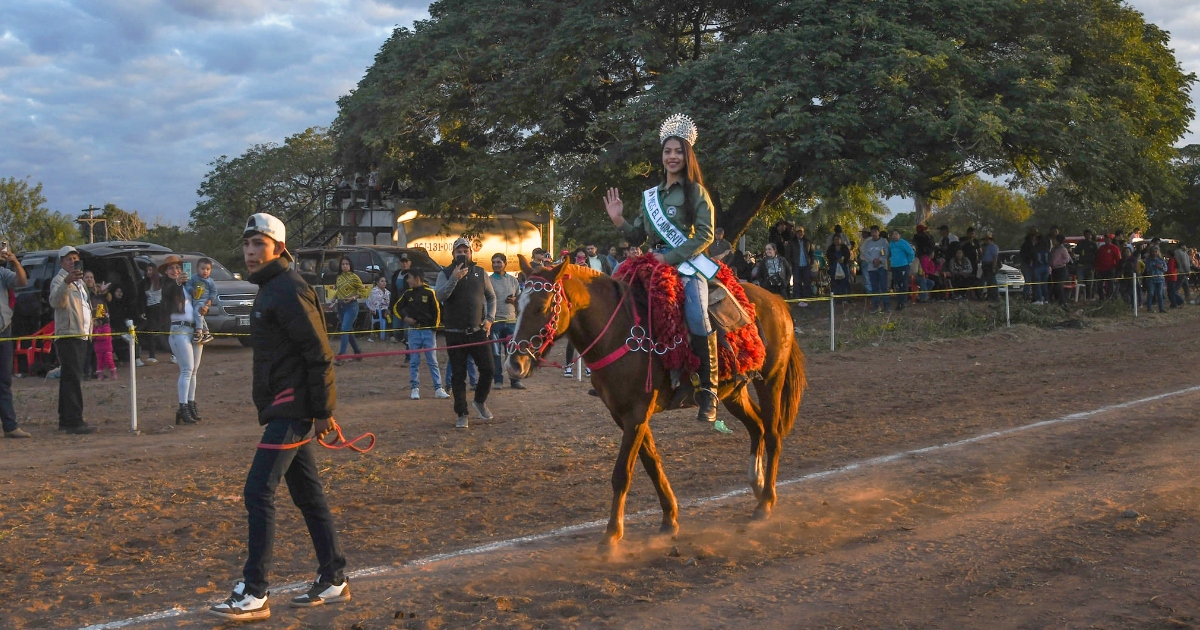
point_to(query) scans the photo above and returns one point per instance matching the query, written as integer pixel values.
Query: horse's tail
(794, 382)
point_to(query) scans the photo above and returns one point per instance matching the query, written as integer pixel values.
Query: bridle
(544, 338)
(639, 340)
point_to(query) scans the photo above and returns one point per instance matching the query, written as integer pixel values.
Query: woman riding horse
(595, 313)
(678, 214)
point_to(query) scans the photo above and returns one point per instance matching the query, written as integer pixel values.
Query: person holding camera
(9, 279)
(772, 272)
(72, 318)
(507, 289)
(468, 310)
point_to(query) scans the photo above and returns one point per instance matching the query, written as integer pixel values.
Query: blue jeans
(926, 284)
(1156, 295)
(879, 286)
(347, 314)
(423, 340)
(299, 467)
(695, 305)
(899, 287)
(1041, 290)
(499, 331)
(8, 414)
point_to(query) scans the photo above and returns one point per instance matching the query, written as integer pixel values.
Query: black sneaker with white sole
(323, 593)
(242, 606)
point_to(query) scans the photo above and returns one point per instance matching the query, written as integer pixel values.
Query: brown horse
(596, 313)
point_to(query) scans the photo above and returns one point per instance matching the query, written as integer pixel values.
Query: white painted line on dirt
(591, 525)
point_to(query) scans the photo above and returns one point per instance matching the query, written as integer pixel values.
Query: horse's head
(542, 315)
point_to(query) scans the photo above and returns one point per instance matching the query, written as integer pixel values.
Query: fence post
(832, 317)
(579, 368)
(1007, 305)
(130, 336)
(1136, 299)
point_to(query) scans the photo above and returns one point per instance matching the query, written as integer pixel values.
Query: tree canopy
(546, 102)
(288, 180)
(26, 223)
(989, 208)
(1065, 205)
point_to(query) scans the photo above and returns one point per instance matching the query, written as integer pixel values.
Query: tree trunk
(923, 208)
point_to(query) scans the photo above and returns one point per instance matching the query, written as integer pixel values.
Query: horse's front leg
(666, 498)
(631, 442)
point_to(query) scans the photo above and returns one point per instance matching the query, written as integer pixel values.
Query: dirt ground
(1086, 523)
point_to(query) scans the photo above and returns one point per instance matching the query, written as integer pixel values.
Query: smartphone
(78, 265)
(3, 246)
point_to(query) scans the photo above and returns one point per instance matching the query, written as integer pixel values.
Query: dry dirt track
(1028, 530)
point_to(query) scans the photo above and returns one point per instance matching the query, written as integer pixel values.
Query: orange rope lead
(337, 445)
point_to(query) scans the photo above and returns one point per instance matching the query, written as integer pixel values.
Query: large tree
(1179, 216)
(1064, 204)
(546, 102)
(26, 223)
(989, 208)
(291, 181)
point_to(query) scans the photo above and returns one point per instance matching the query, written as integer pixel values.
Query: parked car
(230, 312)
(111, 261)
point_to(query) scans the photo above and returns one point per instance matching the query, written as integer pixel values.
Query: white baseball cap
(67, 249)
(461, 242)
(270, 226)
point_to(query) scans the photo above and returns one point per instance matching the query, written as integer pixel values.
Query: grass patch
(857, 328)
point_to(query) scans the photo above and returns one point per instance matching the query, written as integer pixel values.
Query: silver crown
(679, 126)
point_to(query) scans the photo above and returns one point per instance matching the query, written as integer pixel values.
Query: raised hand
(614, 206)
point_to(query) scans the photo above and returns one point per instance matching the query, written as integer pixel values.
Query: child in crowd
(378, 303)
(420, 310)
(102, 344)
(200, 290)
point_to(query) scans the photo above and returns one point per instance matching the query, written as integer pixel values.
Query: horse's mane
(580, 270)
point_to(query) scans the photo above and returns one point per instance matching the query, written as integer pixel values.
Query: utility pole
(91, 221)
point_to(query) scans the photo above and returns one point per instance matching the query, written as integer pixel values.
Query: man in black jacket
(295, 394)
(468, 310)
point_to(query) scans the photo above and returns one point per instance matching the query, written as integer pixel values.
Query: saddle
(658, 293)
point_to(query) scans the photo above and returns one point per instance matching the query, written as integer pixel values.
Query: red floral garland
(667, 323)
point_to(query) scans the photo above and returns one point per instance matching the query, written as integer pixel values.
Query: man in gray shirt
(507, 289)
(9, 279)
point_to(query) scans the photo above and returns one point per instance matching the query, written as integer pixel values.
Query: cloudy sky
(127, 101)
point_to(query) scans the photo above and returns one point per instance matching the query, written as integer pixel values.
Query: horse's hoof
(608, 549)
(668, 529)
(761, 514)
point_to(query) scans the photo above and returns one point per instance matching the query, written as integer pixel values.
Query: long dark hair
(347, 259)
(691, 175)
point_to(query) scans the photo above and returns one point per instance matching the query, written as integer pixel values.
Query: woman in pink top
(1060, 257)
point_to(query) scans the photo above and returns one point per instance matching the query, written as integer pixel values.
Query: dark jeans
(70, 390)
(1086, 274)
(1058, 281)
(8, 414)
(482, 354)
(899, 288)
(802, 281)
(1104, 283)
(299, 467)
(989, 280)
(499, 331)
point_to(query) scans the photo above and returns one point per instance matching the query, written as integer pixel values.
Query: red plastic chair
(32, 348)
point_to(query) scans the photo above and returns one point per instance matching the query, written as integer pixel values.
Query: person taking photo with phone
(9, 279)
(468, 310)
(72, 319)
